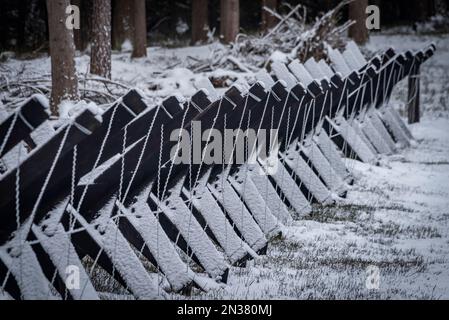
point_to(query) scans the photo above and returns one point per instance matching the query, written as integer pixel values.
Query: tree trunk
(140, 30)
(82, 35)
(441, 6)
(100, 56)
(122, 23)
(358, 31)
(62, 51)
(200, 25)
(229, 20)
(268, 20)
(420, 9)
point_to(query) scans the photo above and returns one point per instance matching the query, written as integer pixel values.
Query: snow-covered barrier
(103, 196)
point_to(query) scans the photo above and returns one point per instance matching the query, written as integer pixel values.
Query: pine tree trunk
(229, 20)
(268, 20)
(358, 31)
(62, 51)
(421, 10)
(82, 34)
(100, 56)
(140, 30)
(441, 6)
(122, 23)
(200, 18)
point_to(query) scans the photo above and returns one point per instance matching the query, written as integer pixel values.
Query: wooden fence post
(413, 96)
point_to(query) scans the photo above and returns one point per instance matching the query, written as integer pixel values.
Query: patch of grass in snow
(102, 280)
(338, 213)
(395, 230)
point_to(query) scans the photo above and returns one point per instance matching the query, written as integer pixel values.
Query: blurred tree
(358, 30)
(268, 20)
(100, 55)
(229, 20)
(82, 35)
(122, 23)
(62, 51)
(140, 29)
(200, 18)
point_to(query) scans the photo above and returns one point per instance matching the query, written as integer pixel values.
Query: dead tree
(229, 20)
(268, 20)
(140, 29)
(62, 51)
(200, 25)
(358, 31)
(122, 23)
(100, 57)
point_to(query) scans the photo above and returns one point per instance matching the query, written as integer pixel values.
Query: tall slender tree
(62, 51)
(100, 56)
(268, 20)
(357, 12)
(82, 35)
(200, 25)
(140, 29)
(229, 20)
(122, 23)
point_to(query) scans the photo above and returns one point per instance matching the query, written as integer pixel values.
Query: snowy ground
(396, 217)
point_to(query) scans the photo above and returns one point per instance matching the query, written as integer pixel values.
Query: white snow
(229, 199)
(395, 218)
(310, 180)
(332, 180)
(245, 187)
(146, 223)
(233, 246)
(330, 151)
(43, 133)
(353, 139)
(113, 243)
(63, 255)
(290, 190)
(202, 246)
(26, 270)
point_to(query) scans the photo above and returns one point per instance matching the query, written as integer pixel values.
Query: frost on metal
(374, 137)
(300, 72)
(242, 183)
(330, 151)
(266, 189)
(374, 117)
(332, 180)
(296, 162)
(290, 190)
(237, 211)
(59, 248)
(24, 266)
(357, 144)
(233, 246)
(202, 246)
(156, 240)
(119, 251)
(394, 127)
